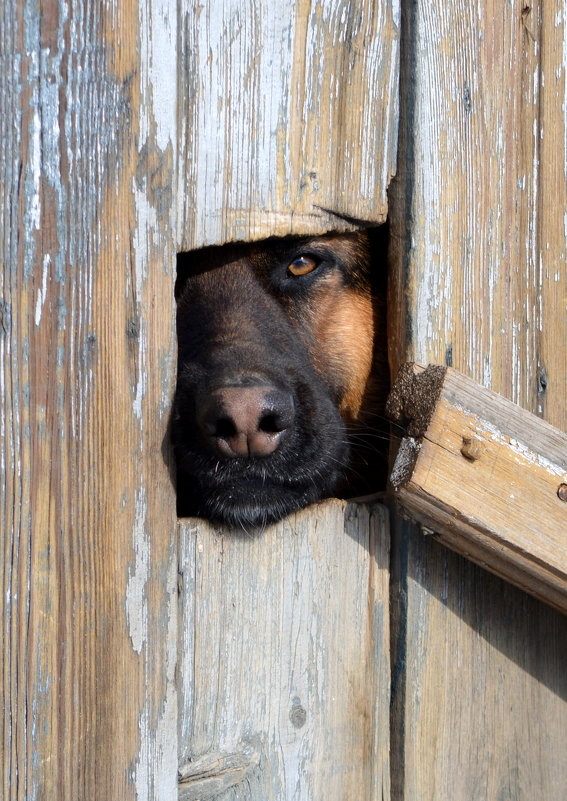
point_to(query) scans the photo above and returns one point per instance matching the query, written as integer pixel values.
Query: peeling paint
(155, 774)
(136, 599)
(35, 167)
(69, 129)
(160, 39)
(42, 291)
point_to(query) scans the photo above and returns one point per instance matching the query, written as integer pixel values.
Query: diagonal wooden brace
(486, 477)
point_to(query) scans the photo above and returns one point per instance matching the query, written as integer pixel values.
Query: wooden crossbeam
(483, 476)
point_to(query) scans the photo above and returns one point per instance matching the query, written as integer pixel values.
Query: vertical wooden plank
(289, 109)
(552, 215)
(465, 202)
(479, 683)
(87, 360)
(284, 658)
(149, 245)
(478, 256)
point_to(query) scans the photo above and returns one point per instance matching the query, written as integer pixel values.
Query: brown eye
(303, 265)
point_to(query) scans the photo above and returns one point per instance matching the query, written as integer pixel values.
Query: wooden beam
(484, 476)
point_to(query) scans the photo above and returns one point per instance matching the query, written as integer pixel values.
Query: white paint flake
(155, 775)
(35, 165)
(42, 291)
(520, 449)
(136, 601)
(160, 37)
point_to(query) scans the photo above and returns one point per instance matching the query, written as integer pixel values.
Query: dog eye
(303, 265)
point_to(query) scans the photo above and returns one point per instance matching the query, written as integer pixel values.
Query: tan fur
(342, 321)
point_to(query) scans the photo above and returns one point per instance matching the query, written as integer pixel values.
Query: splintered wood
(486, 477)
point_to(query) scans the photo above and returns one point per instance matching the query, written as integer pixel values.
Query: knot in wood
(298, 714)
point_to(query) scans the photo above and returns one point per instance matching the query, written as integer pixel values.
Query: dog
(281, 377)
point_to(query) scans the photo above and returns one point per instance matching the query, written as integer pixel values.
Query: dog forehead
(349, 246)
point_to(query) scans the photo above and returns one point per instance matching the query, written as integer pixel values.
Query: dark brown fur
(281, 378)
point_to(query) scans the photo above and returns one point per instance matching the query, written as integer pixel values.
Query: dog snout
(246, 421)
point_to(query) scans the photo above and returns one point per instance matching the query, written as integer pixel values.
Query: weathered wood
(479, 686)
(550, 241)
(477, 207)
(485, 476)
(87, 363)
(91, 220)
(284, 667)
(212, 774)
(478, 280)
(288, 112)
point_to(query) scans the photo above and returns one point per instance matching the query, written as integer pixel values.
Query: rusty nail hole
(562, 492)
(472, 448)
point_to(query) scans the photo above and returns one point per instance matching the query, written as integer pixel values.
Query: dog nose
(246, 421)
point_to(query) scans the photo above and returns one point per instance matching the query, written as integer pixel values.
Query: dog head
(275, 355)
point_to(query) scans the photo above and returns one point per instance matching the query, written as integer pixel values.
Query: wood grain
(113, 125)
(483, 475)
(551, 239)
(284, 668)
(478, 283)
(286, 111)
(479, 687)
(478, 204)
(87, 361)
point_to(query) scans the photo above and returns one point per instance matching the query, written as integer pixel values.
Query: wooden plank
(287, 109)
(485, 476)
(284, 658)
(551, 241)
(478, 237)
(477, 282)
(87, 364)
(479, 686)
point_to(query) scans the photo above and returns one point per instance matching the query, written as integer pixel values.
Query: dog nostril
(271, 424)
(278, 412)
(223, 427)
